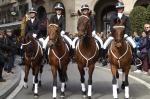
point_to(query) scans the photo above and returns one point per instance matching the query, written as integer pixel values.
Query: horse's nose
(50, 43)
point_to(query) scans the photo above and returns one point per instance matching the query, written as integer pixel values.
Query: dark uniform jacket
(126, 24)
(33, 27)
(61, 21)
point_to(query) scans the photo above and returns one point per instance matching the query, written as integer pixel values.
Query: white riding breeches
(45, 42)
(99, 40)
(107, 42)
(74, 42)
(129, 39)
(68, 39)
(42, 41)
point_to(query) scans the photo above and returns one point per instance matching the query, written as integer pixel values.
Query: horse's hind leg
(82, 74)
(40, 76)
(54, 73)
(126, 84)
(114, 82)
(27, 68)
(91, 69)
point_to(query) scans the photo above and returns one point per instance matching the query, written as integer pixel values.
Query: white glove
(62, 33)
(21, 47)
(94, 33)
(41, 39)
(34, 35)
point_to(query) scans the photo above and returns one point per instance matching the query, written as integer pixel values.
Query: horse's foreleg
(126, 84)
(117, 76)
(123, 79)
(91, 69)
(63, 82)
(54, 73)
(114, 82)
(82, 79)
(36, 81)
(27, 68)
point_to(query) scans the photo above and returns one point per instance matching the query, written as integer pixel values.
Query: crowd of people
(143, 49)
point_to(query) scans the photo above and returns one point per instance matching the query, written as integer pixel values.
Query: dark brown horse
(86, 53)
(120, 57)
(58, 55)
(33, 59)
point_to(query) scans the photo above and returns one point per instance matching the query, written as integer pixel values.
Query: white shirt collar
(58, 17)
(32, 19)
(120, 15)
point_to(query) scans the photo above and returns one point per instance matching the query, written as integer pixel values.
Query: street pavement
(102, 87)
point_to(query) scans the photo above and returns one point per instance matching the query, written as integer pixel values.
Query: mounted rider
(59, 19)
(86, 11)
(119, 14)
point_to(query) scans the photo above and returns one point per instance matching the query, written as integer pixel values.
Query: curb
(13, 84)
(132, 77)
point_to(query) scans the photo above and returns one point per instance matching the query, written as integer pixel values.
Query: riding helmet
(59, 6)
(32, 10)
(84, 6)
(119, 5)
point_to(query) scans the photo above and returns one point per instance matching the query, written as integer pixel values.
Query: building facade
(13, 10)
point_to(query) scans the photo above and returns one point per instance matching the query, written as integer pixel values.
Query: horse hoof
(62, 95)
(26, 86)
(54, 98)
(84, 94)
(40, 84)
(36, 95)
(89, 97)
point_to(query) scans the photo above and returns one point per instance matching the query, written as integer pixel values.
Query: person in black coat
(2, 56)
(120, 15)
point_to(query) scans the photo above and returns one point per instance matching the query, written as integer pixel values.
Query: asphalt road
(102, 87)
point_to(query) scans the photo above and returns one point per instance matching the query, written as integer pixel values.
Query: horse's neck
(59, 43)
(87, 42)
(122, 49)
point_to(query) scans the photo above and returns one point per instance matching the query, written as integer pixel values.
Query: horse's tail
(62, 78)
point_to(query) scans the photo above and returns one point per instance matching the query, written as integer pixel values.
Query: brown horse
(86, 53)
(120, 57)
(33, 59)
(58, 55)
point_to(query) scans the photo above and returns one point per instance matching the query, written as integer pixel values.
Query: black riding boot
(104, 60)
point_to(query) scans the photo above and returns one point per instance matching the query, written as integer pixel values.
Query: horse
(120, 57)
(86, 53)
(58, 56)
(33, 59)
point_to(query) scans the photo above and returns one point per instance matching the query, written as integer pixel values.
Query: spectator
(9, 52)
(137, 40)
(2, 57)
(144, 53)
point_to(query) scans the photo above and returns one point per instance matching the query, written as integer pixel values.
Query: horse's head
(53, 33)
(83, 26)
(118, 32)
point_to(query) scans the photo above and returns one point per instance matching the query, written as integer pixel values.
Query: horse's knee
(90, 82)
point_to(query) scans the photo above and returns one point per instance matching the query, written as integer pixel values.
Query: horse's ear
(79, 13)
(117, 21)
